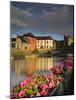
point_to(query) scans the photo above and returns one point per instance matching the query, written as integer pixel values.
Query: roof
(29, 35)
(24, 39)
(43, 38)
(58, 41)
(37, 37)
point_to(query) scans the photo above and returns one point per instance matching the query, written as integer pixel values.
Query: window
(35, 46)
(38, 41)
(38, 45)
(41, 47)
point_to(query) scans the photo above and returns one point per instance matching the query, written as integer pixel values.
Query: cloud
(58, 19)
(62, 15)
(18, 16)
(18, 22)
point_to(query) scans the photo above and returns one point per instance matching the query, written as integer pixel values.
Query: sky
(41, 19)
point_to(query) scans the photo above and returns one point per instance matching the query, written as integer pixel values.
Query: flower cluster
(68, 65)
(41, 85)
(37, 86)
(57, 69)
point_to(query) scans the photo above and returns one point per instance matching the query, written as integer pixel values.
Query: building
(22, 43)
(45, 43)
(29, 42)
(68, 40)
(32, 41)
(60, 43)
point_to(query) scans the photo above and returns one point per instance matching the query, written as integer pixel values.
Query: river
(20, 69)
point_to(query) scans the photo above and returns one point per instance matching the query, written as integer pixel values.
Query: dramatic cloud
(47, 19)
(18, 16)
(59, 20)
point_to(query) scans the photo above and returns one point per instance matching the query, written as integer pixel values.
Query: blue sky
(41, 19)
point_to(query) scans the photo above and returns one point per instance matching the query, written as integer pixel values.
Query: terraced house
(29, 42)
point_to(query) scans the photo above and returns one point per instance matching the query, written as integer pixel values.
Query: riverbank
(41, 55)
(18, 54)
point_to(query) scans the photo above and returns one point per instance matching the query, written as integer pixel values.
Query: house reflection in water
(29, 66)
(44, 64)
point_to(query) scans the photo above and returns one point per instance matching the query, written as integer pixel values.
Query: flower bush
(41, 85)
(68, 65)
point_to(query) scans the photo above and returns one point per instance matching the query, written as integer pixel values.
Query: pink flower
(44, 92)
(22, 93)
(24, 83)
(60, 65)
(52, 84)
(21, 84)
(53, 69)
(68, 62)
(44, 86)
(45, 75)
(51, 75)
(59, 71)
(69, 68)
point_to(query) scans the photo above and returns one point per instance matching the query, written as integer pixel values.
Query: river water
(20, 69)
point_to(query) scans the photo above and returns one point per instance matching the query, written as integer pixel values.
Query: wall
(32, 45)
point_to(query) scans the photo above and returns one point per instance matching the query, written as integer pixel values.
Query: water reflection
(22, 68)
(29, 66)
